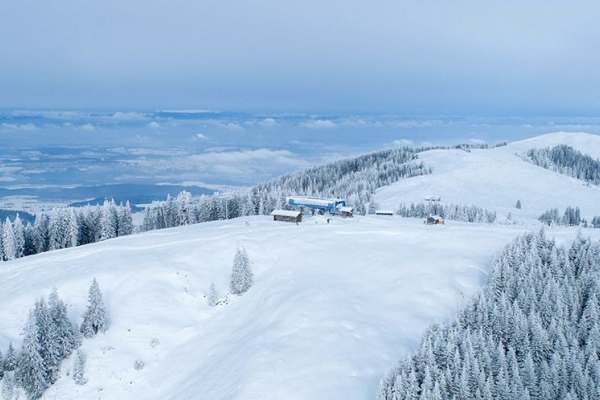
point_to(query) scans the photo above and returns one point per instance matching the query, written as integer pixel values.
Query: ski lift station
(315, 203)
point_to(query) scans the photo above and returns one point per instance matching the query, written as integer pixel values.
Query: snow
(496, 178)
(333, 306)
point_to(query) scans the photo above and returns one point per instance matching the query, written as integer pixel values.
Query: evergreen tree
(518, 205)
(213, 297)
(66, 340)
(19, 231)
(10, 361)
(31, 373)
(1, 365)
(241, 274)
(9, 241)
(79, 368)
(8, 386)
(95, 319)
(48, 341)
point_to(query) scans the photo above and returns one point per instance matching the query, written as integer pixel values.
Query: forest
(533, 332)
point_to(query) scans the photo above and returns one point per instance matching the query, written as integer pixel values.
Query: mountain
(333, 305)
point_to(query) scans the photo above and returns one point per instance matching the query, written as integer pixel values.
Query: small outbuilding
(347, 211)
(434, 220)
(287, 216)
(384, 212)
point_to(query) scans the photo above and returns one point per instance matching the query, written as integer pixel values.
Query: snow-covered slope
(496, 178)
(333, 305)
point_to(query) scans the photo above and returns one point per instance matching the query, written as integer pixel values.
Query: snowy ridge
(496, 178)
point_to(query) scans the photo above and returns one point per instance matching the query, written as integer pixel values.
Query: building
(315, 203)
(434, 220)
(384, 212)
(347, 211)
(433, 198)
(287, 216)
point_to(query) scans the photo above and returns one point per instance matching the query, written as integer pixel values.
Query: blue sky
(507, 58)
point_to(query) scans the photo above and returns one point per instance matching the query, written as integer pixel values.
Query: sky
(507, 58)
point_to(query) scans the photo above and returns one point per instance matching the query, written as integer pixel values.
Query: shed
(384, 212)
(287, 216)
(434, 220)
(347, 211)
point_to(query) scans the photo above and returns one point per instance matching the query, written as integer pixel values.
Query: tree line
(454, 212)
(354, 179)
(566, 160)
(64, 227)
(533, 332)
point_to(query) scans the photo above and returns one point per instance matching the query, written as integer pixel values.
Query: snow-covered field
(333, 305)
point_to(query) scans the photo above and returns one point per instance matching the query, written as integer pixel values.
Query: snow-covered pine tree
(241, 274)
(518, 205)
(10, 360)
(108, 221)
(48, 341)
(95, 319)
(31, 374)
(8, 386)
(79, 368)
(9, 240)
(19, 231)
(213, 297)
(66, 341)
(1, 365)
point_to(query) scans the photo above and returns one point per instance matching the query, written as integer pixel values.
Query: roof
(346, 209)
(313, 201)
(286, 213)
(384, 212)
(435, 217)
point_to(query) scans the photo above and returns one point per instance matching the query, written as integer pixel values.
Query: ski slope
(333, 306)
(496, 178)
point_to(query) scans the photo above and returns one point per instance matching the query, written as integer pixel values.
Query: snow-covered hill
(333, 306)
(496, 178)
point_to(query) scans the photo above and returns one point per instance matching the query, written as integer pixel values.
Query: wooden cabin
(347, 212)
(287, 216)
(434, 220)
(384, 212)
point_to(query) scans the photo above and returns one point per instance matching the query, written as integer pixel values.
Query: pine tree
(9, 241)
(31, 373)
(8, 386)
(1, 365)
(518, 205)
(213, 297)
(241, 274)
(95, 319)
(66, 341)
(79, 368)
(48, 341)
(10, 361)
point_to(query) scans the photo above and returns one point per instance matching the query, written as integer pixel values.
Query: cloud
(18, 127)
(127, 116)
(87, 127)
(154, 125)
(319, 124)
(200, 136)
(402, 143)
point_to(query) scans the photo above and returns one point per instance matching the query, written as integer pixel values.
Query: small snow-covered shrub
(139, 365)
